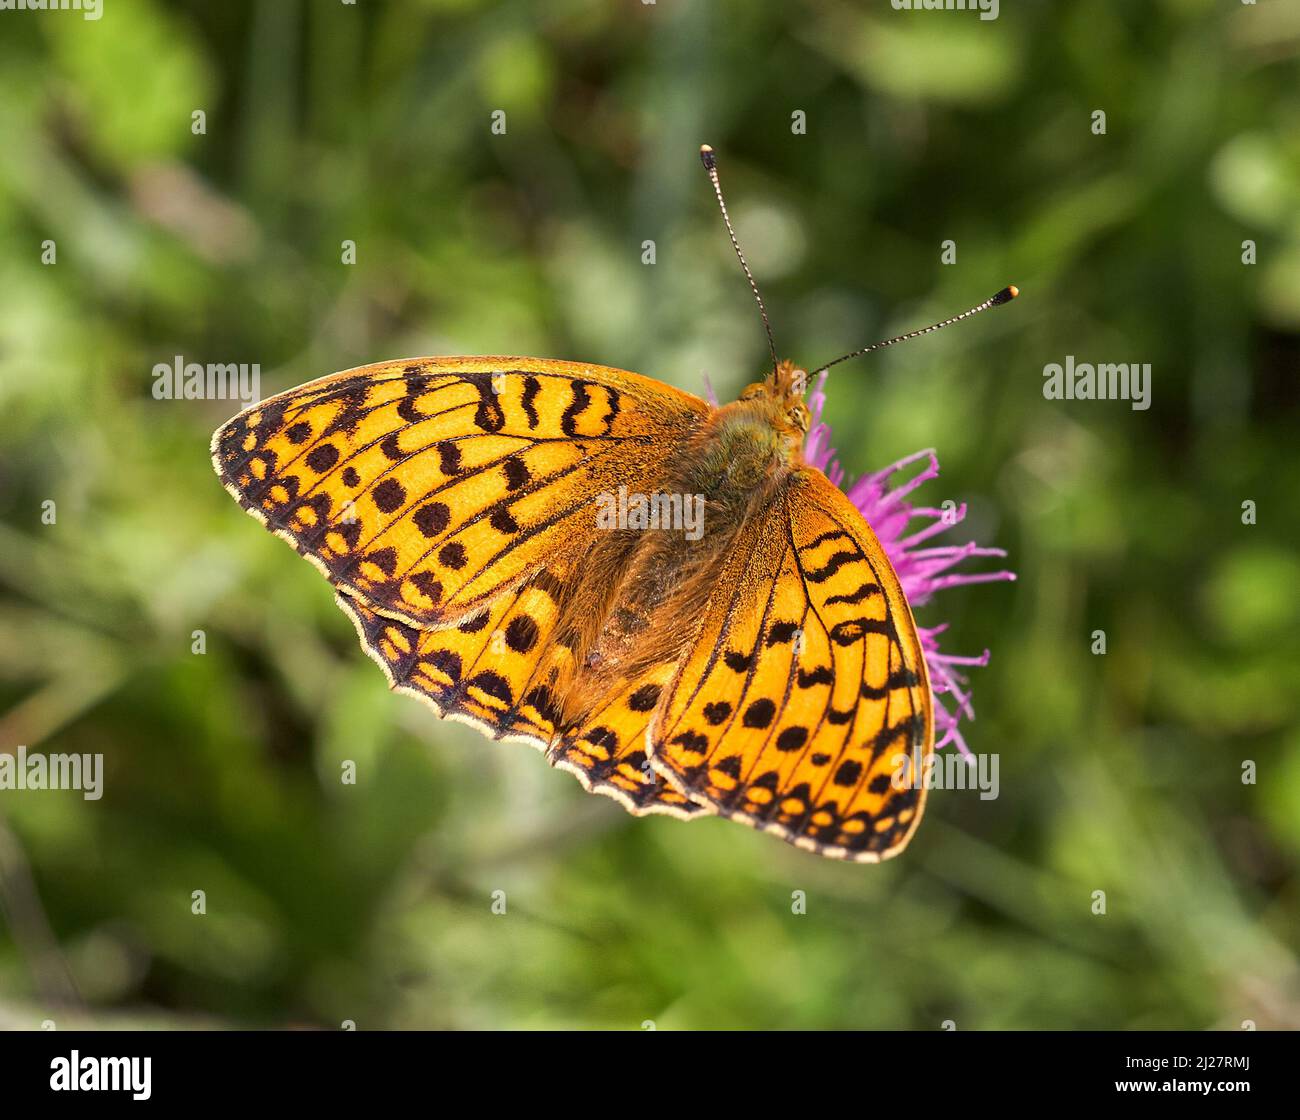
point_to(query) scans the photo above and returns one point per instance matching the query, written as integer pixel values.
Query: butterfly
(492, 527)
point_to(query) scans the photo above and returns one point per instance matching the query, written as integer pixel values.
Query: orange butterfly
(499, 530)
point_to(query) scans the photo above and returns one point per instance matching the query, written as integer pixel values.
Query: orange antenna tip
(707, 157)
(1006, 295)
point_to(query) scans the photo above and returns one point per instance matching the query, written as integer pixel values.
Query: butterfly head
(778, 399)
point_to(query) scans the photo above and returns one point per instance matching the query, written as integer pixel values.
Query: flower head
(884, 504)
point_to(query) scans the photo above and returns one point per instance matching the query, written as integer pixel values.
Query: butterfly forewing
(428, 487)
(806, 687)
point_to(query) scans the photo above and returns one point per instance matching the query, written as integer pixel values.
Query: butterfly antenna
(1005, 296)
(710, 162)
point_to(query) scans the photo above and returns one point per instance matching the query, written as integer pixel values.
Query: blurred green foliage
(371, 122)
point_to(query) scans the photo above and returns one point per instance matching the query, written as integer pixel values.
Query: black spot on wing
(581, 398)
(529, 400)
(866, 591)
(899, 678)
(449, 457)
(848, 773)
(432, 519)
(820, 675)
(385, 559)
(691, 741)
(388, 495)
(729, 766)
(427, 585)
(489, 415)
(644, 698)
(791, 739)
(352, 395)
(446, 661)
(822, 538)
(736, 661)
(833, 565)
(779, 633)
(452, 555)
(502, 520)
(493, 684)
(716, 712)
(516, 472)
(474, 623)
(854, 629)
(521, 633)
(542, 699)
(911, 728)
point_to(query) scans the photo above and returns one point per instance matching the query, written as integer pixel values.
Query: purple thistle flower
(921, 571)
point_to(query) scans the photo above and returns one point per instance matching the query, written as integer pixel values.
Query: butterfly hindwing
(805, 686)
(499, 670)
(429, 486)
(606, 751)
(486, 670)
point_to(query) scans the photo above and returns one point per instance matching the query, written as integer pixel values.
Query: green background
(327, 121)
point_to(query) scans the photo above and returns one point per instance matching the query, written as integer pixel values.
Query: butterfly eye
(798, 417)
